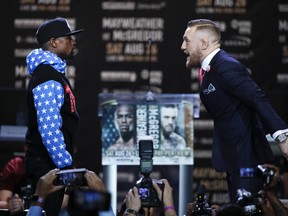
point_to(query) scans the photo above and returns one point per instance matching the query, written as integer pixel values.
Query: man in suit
(241, 112)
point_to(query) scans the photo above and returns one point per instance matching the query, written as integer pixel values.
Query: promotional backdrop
(134, 46)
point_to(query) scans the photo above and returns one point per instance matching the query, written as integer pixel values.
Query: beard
(72, 54)
(189, 63)
(167, 130)
(75, 51)
(194, 59)
(68, 56)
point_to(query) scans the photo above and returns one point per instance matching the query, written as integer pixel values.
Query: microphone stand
(149, 96)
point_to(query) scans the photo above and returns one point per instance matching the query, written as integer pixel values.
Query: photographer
(269, 202)
(132, 203)
(134, 206)
(15, 186)
(46, 186)
(15, 205)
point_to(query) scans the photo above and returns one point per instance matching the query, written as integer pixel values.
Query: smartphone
(71, 177)
(248, 172)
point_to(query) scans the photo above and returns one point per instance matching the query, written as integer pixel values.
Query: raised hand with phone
(84, 185)
(71, 177)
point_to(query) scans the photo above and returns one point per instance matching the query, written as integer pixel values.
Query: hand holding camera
(165, 193)
(71, 177)
(268, 200)
(87, 196)
(260, 203)
(264, 172)
(94, 182)
(15, 205)
(147, 193)
(132, 200)
(275, 176)
(201, 207)
(249, 202)
(45, 185)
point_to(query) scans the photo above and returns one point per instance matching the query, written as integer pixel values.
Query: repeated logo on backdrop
(134, 46)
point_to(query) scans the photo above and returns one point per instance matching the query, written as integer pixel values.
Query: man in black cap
(52, 114)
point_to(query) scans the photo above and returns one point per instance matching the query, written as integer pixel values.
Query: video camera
(249, 203)
(147, 193)
(266, 174)
(202, 207)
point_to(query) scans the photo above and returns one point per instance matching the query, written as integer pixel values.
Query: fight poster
(169, 124)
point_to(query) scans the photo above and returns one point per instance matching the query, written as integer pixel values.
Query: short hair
(172, 106)
(169, 106)
(129, 107)
(206, 25)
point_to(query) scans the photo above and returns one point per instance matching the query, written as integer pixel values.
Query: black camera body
(266, 174)
(249, 203)
(26, 193)
(202, 207)
(147, 193)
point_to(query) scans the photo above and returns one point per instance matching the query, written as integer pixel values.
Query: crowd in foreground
(93, 199)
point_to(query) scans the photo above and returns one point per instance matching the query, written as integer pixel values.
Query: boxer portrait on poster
(170, 126)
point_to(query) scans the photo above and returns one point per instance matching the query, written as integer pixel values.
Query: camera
(266, 174)
(147, 193)
(202, 207)
(249, 203)
(88, 201)
(26, 193)
(71, 177)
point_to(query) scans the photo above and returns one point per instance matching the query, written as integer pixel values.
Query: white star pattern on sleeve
(48, 100)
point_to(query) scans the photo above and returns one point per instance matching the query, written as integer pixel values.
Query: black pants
(252, 185)
(35, 168)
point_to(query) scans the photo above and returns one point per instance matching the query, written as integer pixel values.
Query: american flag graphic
(48, 100)
(109, 132)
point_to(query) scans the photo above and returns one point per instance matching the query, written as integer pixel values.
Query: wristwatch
(36, 198)
(281, 138)
(130, 211)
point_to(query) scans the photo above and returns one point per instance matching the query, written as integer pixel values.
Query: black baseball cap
(53, 28)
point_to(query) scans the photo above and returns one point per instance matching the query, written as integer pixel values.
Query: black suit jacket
(242, 115)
